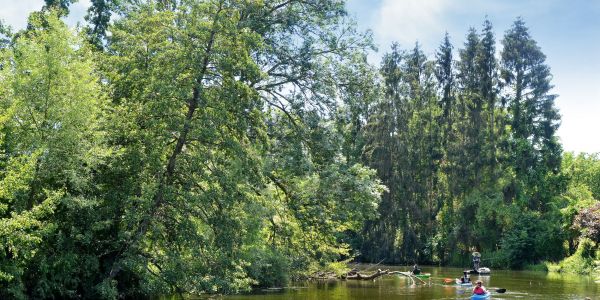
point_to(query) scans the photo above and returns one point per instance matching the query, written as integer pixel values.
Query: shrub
(582, 262)
(268, 268)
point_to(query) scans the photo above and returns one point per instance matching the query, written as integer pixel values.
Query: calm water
(518, 285)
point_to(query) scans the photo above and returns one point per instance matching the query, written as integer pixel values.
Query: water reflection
(518, 285)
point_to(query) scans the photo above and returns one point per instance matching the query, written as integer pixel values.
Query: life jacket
(478, 290)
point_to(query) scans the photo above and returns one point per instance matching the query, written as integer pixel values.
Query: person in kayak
(416, 270)
(465, 278)
(476, 261)
(479, 289)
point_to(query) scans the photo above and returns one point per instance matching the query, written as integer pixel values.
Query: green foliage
(98, 16)
(470, 157)
(541, 267)
(268, 267)
(193, 85)
(51, 102)
(5, 35)
(404, 142)
(196, 147)
(582, 261)
(580, 171)
(60, 6)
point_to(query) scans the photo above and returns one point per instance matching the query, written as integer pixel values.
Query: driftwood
(355, 275)
(409, 275)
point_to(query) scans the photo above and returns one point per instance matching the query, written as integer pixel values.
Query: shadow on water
(518, 285)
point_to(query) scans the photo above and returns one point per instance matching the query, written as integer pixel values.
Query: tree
(61, 6)
(51, 103)
(405, 147)
(470, 110)
(5, 35)
(194, 85)
(445, 77)
(588, 221)
(581, 173)
(535, 151)
(98, 16)
(384, 153)
(359, 91)
(488, 90)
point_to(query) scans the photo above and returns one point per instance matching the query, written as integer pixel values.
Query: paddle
(448, 280)
(497, 290)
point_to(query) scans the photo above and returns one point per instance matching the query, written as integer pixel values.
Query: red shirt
(478, 290)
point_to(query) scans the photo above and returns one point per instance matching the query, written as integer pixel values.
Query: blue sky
(568, 32)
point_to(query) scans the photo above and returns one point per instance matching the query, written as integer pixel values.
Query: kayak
(480, 271)
(423, 276)
(457, 281)
(481, 297)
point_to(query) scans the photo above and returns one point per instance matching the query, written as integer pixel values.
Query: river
(518, 285)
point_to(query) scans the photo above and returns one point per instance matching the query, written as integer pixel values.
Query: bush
(582, 262)
(268, 268)
(541, 267)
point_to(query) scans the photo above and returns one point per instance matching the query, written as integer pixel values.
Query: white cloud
(77, 11)
(407, 21)
(426, 21)
(15, 12)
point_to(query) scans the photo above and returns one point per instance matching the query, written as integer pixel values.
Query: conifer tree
(534, 150)
(488, 80)
(470, 108)
(445, 78)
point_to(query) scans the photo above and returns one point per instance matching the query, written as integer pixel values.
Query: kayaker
(416, 270)
(479, 289)
(476, 261)
(465, 278)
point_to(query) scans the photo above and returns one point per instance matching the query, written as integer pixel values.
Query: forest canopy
(216, 146)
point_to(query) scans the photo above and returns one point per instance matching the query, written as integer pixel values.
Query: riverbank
(585, 261)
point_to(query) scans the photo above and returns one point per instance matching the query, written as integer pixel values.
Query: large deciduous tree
(51, 102)
(200, 182)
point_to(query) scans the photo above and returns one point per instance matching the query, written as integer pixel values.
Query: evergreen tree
(384, 153)
(470, 110)
(62, 6)
(445, 78)
(405, 147)
(488, 89)
(535, 151)
(98, 16)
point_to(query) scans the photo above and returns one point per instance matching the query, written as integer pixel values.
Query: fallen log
(353, 275)
(409, 275)
(323, 276)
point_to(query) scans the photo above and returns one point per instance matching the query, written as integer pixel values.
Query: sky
(568, 32)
